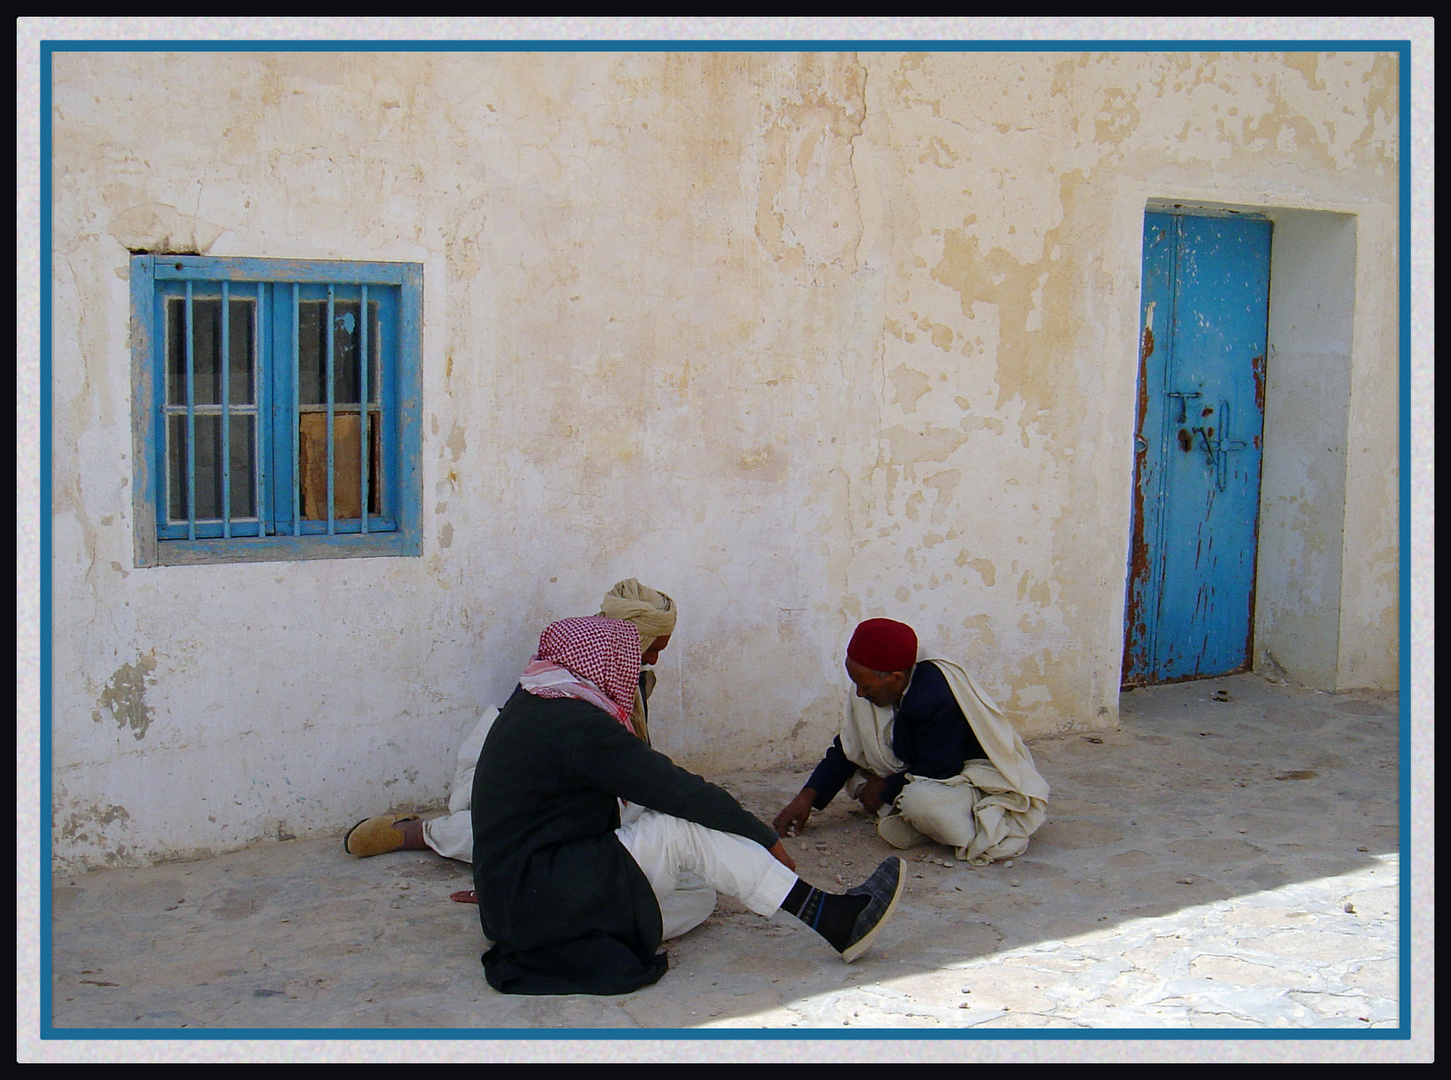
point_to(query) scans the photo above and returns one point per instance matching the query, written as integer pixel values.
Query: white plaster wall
(1307, 405)
(798, 338)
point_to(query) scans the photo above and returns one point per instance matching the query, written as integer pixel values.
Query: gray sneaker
(885, 889)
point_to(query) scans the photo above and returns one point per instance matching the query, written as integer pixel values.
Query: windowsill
(281, 549)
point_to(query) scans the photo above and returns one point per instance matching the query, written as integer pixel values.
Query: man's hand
(792, 819)
(781, 856)
(870, 795)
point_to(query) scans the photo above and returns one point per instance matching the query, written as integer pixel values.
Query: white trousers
(686, 862)
(687, 905)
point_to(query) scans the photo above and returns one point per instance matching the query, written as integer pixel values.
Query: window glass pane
(176, 466)
(242, 453)
(242, 363)
(347, 352)
(375, 354)
(311, 359)
(207, 350)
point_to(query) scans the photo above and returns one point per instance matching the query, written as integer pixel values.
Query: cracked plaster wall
(798, 338)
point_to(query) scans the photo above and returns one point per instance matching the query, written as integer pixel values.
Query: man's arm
(826, 780)
(606, 757)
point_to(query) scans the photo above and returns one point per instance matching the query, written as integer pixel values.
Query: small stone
(1009, 864)
(1349, 908)
(1014, 883)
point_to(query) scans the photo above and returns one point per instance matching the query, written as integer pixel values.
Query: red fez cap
(883, 645)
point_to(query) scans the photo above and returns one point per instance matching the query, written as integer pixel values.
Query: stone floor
(1225, 862)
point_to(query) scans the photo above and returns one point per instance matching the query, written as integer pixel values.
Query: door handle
(1217, 451)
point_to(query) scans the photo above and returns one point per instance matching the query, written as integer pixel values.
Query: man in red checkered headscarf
(653, 615)
(570, 896)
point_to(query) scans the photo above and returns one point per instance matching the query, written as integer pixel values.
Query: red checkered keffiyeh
(591, 659)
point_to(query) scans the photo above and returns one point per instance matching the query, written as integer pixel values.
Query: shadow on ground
(1225, 857)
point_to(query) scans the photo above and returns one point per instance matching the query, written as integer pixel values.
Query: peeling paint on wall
(74, 824)
(124, 696)
(799, 338)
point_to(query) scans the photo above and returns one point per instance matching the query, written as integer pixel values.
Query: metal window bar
(329, 336)
(261, 438)
(363, 415)
(226, 418)
(381, 389)
(296, 409)
(190, 353)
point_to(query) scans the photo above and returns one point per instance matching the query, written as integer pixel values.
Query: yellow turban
(652, 612)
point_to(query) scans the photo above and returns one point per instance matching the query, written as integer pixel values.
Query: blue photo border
(1400, 47)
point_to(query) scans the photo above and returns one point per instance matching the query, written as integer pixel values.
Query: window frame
(153, 277)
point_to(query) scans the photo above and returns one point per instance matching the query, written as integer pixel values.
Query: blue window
(278, 409)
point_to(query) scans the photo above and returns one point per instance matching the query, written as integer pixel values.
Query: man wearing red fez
(925, 749)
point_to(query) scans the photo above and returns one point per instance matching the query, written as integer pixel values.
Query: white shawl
(988, 811)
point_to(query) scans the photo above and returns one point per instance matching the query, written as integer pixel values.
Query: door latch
(1183, 399)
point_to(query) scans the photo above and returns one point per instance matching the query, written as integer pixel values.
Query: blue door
(1197, 447)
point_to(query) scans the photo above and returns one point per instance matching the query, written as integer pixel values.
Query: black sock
(830, 914)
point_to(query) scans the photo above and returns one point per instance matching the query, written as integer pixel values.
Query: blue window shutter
(243, 426)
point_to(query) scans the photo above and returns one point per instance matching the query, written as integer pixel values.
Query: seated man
(927, 751)
(651, 612)
(571, 898)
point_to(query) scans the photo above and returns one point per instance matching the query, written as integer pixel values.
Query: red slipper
(467, 896)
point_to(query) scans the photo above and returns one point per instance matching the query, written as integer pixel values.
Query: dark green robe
(566, 906)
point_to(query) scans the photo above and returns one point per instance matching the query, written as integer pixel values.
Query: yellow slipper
(375, 835)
